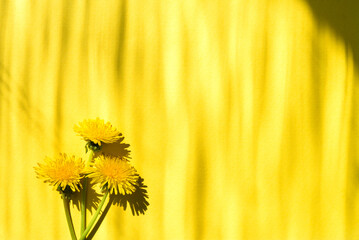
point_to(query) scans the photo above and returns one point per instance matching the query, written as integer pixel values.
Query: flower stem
(84, 195)
(68, 217)
(83, 206)
(93, 220)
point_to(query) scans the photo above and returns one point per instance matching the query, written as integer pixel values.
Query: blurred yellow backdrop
(241, 114)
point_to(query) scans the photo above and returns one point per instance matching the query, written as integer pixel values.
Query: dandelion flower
(114, 174)
(61, 172)
(97, 131)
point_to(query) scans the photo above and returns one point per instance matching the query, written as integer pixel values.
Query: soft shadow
(342, 17)
(118, 149)
(93, 198)
(137, 202)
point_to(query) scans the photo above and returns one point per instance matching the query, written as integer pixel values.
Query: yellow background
(241, 114)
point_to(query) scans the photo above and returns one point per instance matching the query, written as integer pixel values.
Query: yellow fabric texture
(241, 114)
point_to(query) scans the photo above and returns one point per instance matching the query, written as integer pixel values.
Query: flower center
(114, 171)
(65, 172)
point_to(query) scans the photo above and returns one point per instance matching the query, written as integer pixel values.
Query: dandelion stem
(68, 217)
(93, 220)
(83, 206)
(84, 195)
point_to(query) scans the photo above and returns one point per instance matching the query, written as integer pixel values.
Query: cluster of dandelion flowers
(114, 174)
(62, 171)
(97, 131)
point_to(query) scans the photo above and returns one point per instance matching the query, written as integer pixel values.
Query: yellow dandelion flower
(61, 172)
(97, 131)
(114, 174)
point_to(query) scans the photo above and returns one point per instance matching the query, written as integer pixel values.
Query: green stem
(83, 206)
(84, 196)
(93, 220)
(68, 217)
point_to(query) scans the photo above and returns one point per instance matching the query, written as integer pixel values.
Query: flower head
(114, 174)
(97, 131)
(61, 172)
